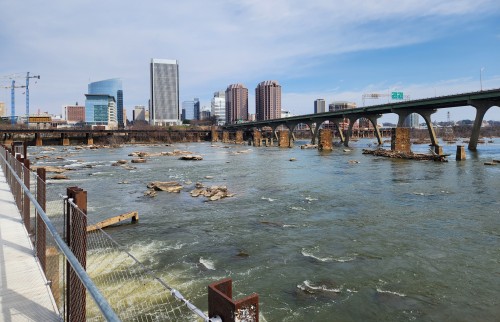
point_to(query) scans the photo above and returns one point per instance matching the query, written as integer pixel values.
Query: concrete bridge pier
(427, 117)
(284, 139)
(339, 129)
(481, 109)
(373, 120)
(291, 137)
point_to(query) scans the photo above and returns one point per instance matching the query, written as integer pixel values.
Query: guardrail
(92, 276)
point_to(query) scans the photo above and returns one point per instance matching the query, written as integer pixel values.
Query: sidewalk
(24, 294)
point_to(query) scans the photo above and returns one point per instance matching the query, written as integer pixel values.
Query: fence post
(77, 241)
(220, 303)
(26, 201)
(19, 171)
(39, 224)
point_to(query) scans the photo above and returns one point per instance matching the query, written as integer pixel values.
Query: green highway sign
(397, 95)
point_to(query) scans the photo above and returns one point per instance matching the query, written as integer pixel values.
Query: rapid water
(327, 238)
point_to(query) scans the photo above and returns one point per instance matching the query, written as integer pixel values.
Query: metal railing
(11, 167)
(92, 276)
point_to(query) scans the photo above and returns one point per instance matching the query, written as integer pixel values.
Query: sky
(335, 50)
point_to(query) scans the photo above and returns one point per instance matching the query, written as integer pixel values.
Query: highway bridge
(482, 101)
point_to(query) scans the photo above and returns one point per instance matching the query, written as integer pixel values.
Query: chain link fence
(92, 277)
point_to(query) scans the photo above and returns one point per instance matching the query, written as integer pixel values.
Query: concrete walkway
(24, 295)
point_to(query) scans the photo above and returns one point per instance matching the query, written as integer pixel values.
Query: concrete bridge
(482, 101)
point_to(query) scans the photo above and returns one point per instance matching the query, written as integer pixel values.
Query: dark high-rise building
(236, 103)
(191, 110)
(268, 101)
(164, 103)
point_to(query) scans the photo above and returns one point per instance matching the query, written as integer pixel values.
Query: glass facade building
(100, 110)
(164, 103)
(218, 105)
(111, 87)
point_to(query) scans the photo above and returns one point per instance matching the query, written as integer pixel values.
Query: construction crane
(13, 101)
(12, 96)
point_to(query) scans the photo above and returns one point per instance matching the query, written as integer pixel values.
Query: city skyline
(422, 48)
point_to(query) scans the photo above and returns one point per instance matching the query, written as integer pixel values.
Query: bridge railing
(92, 276)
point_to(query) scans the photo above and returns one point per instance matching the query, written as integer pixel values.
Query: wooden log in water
(114, 220)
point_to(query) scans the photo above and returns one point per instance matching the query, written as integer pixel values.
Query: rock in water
(168, 186)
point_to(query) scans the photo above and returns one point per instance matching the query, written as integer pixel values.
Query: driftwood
(406, 155)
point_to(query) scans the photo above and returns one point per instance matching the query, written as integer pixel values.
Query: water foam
(208, 264)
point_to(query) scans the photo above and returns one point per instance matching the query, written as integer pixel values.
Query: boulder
(168, 186)
(140, 160)
(212, 193)
(191, 157)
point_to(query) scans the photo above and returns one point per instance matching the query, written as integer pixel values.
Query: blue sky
(336, 50)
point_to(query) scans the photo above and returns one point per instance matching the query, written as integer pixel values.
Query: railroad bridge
(482, 101)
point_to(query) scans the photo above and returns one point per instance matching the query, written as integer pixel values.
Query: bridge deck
(24, 295)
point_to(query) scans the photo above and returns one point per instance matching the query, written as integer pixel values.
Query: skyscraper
(268, 100)
(236, 103)
(164, 104)
(219, 107)
(111, 87)
(319, 106)
(191, 110)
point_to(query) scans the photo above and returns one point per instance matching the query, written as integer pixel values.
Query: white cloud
(216, 42)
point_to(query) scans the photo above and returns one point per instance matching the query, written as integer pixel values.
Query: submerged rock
(59, 177)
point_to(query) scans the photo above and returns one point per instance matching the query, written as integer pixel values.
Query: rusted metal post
(77, 242)
(19, 171)
(26, 201)
(40, 226)
(220, 303)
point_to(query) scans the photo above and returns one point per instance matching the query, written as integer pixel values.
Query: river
(331, 236)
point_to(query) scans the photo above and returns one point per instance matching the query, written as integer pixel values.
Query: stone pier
(257, 136)
(90, 139)
(400, 139)
(64, 139)
(239, 137)
(283, 139)
(460, 152)
(325, 140)
(38, 139)
(225, 137)
(215, 134)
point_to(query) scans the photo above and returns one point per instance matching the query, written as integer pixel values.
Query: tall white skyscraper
(164, 104)
(219, 107)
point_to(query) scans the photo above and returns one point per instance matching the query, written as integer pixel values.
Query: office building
(319, 106)
(205, 114)
(218, 106)
(164, 103)
(73, 113)
(100, 110)
(190, 110)
(342, 105)
(268, 100)
(111, 87)
(139, 114)
(236, 104)
(411, 121)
